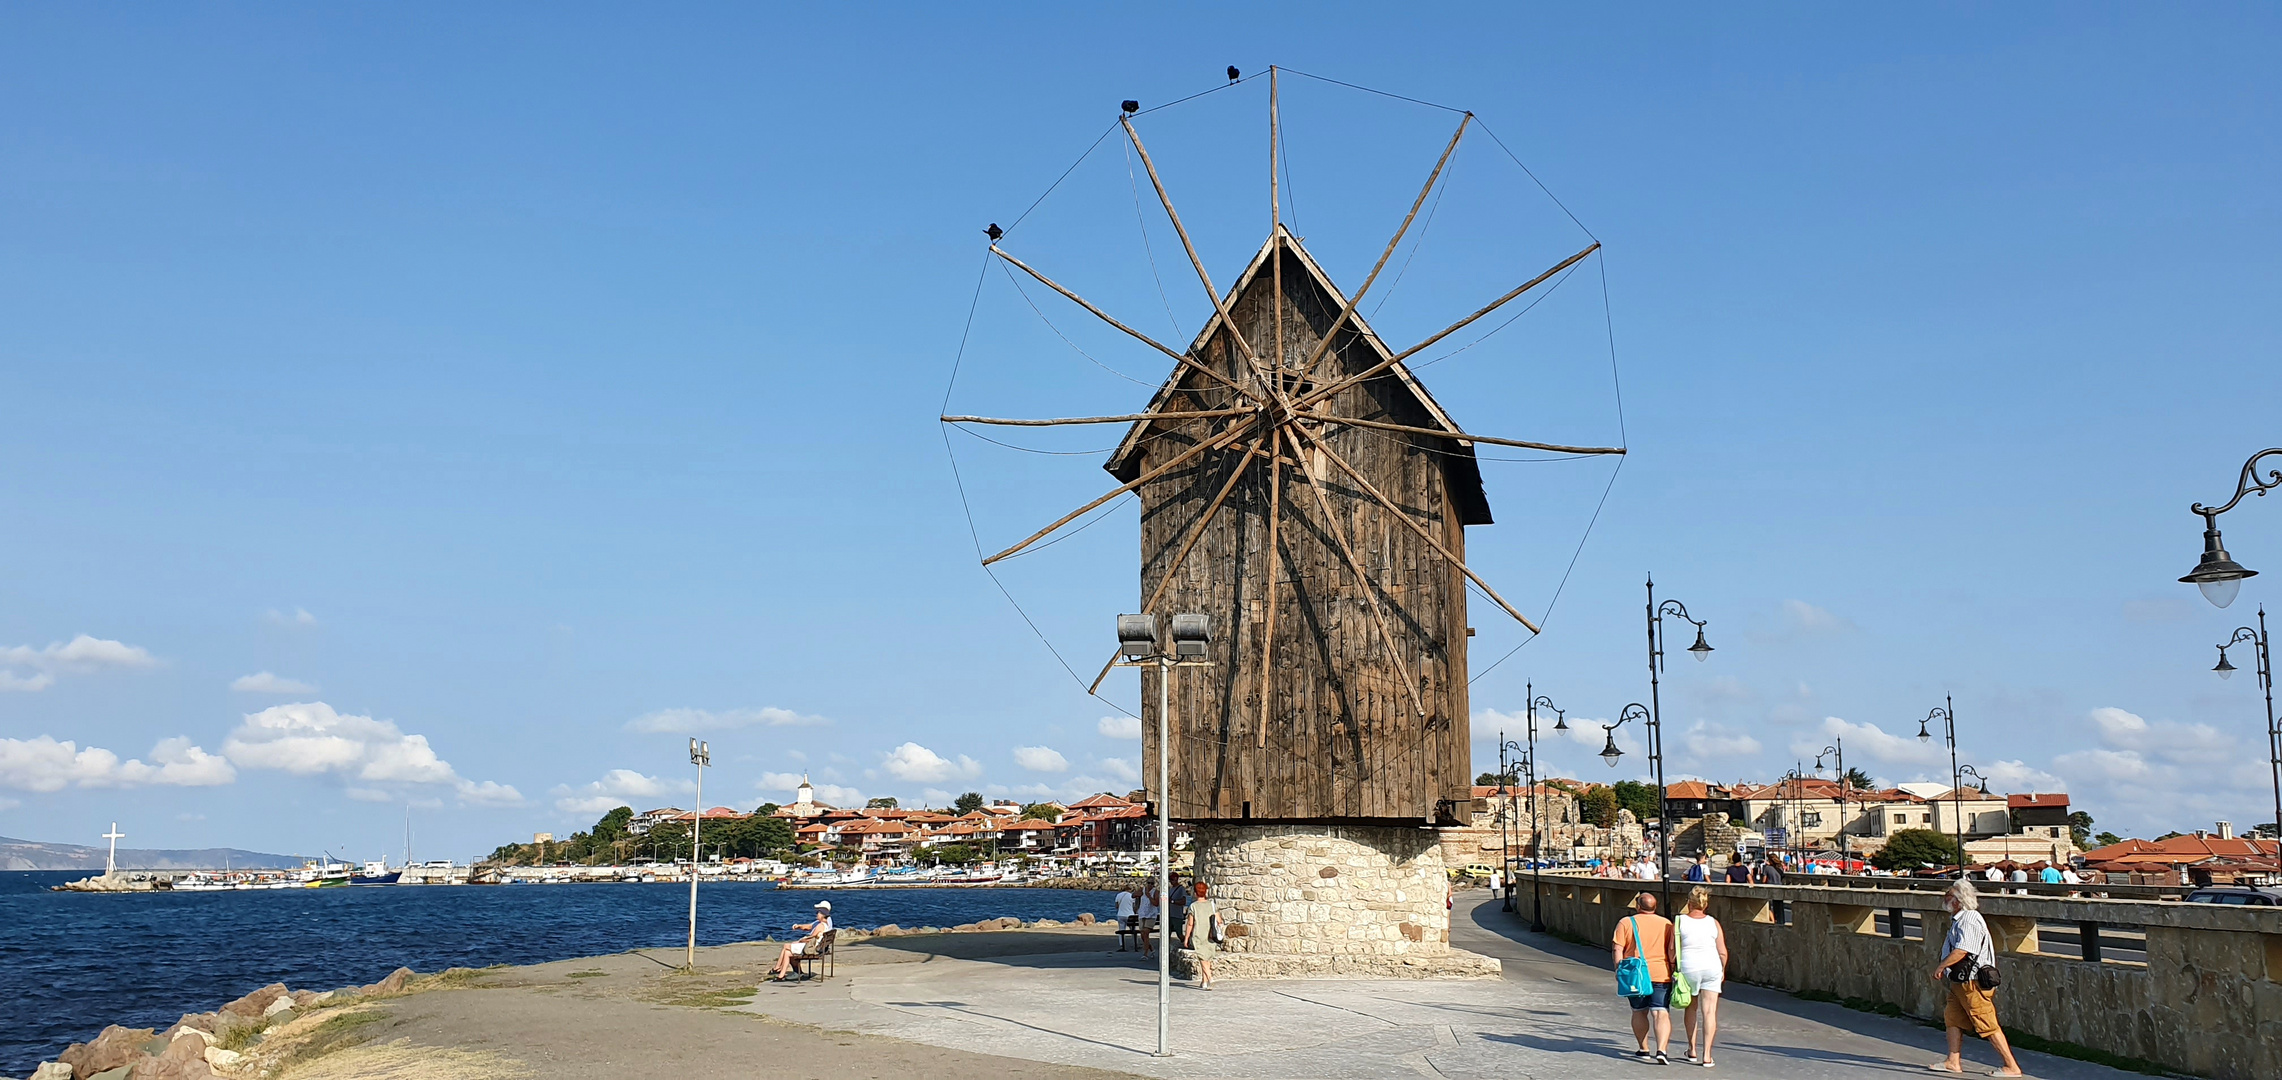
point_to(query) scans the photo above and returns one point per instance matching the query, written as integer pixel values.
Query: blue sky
(423, 406)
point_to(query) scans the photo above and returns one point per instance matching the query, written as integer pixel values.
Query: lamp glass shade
(1610, 753)
(1923, 734)
(1702, 649)
(1561, 722)
(2221, 592)
(2225, 669)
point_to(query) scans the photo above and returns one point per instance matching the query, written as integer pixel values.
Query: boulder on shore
(183, 1059)
(52, 1070)
(114, 1047)
(1085, 918)
(395, 983)
(254, 1005)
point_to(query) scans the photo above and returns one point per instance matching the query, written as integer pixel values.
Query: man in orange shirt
(1649, 936)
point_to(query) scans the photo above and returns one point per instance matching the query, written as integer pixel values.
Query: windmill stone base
(1331, 901)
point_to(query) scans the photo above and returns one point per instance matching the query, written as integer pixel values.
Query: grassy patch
(241, 1034)
(718, 998)
(337, 1032)
(588, 974)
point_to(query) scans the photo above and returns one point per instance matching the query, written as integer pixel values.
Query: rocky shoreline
(258, 1034)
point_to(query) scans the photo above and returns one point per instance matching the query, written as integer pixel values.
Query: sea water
(72, 962)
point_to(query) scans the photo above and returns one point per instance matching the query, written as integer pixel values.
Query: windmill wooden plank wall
(1343, 740)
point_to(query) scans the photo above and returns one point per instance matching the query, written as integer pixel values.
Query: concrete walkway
(1068, 997)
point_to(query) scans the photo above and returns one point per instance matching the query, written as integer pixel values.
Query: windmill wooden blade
(1223, 439)
(1369, 589)
(1331, 334)
(1184, 359)
(1370, 372)
(1221, 305)
(1423, 532)
(1463, 436)
(1275, 570)
(1127, 419)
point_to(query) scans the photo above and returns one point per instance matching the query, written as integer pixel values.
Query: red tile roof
(1104, 799)
(2024, 802)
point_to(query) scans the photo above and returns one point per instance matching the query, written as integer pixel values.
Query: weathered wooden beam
(1464, 437)
(1227, 321)
(1061, 420)
(1321, 393)
(1234, 432)
(1182, 358)
(1275, 567)
(1332, 334)
(1363, 581)
(1423, 531)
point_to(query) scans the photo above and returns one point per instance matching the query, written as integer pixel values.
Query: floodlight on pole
(1188, 644)
(700, 755)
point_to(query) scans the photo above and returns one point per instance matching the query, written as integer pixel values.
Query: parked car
(2240, 895)
(1471, 870)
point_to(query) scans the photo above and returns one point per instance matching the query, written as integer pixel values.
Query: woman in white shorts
(1703, 959)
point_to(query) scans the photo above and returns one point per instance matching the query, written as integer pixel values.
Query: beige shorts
(1970, 1009)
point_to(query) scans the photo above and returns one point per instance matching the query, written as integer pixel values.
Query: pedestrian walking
(1148, 918)
(1703, 962)
(1204, 914)
(1647, 936)
(1496, 881)
(1969, 966)
(1700, 870)
(1128, 915)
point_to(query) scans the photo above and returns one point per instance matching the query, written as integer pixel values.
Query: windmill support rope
(1182, 358)
(1464, 437)
(1251, 356)
(1225, 438)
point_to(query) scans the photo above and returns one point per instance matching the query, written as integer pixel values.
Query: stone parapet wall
(1331, 900)
(2208, 1001)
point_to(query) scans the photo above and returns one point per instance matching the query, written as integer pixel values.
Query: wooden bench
(802, 963)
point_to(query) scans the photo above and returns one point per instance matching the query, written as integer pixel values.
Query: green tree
(1598, 806)
(1912, 849)
(2105, 839)
(884, 802)
(969, 802)
(954, 854)
(1491, 779)
(612, 826)
(1859, 780)
(767, 809)
(1042, 811)
(1637, 797)
(2080, 828)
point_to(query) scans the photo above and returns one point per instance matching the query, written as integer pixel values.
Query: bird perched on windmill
(1300, 486)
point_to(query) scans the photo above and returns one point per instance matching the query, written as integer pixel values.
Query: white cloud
(2148, 776)
(298, 617)
(1814, 620)
(1708, 741)
(23, 667)
(262, 682)
(938, 797)
(44, 764)
(1119, 727)
(695, 721)
(917, 764)
(1041, 759)
(1121, 769)
(618, 787)
(1872, 741)
(311, 738)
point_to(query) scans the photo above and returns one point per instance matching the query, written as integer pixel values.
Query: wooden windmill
(1300, 486)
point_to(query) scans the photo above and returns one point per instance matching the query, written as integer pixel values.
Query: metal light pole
(1139, 646)
(1701, 650)
(2264, 658)
(701, 756)
(1947, 713)
(1838, 749)
(1610, 753)
(1506, 747)
(2218, 575)
(1536, 837)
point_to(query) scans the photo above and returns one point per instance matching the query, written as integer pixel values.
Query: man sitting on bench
(806, 946)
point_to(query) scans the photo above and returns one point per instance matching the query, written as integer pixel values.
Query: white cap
(824, 905)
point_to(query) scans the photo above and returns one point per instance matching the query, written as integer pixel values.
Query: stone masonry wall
(1322, 900)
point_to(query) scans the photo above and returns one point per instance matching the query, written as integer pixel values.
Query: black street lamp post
(1837, 750)
(1509, 752)
(1701, 650)
(2263, 661)
(1610, 754)
(1957, 790)
(2217, 574)
(1947, 712)
(1536, 834)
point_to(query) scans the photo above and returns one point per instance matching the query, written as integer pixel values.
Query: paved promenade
(1067, 997)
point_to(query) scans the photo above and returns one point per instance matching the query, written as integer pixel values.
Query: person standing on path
(1738, 871)
(1204, 914)
(1148, 914)
(1703, 959)
(1648, 936)
(1128, 914)
(1968, 951)
(1700, 870)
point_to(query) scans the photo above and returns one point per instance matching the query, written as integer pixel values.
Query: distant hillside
(32, 855)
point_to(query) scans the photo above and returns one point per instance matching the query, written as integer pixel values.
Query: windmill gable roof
(1465, 473)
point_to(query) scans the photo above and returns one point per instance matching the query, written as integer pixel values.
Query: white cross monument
(111, 861)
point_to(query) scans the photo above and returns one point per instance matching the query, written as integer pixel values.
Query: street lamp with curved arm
(2217, 574)
(1837, 751)
(1537, 701)
(1610, 754)
(2262, 661)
